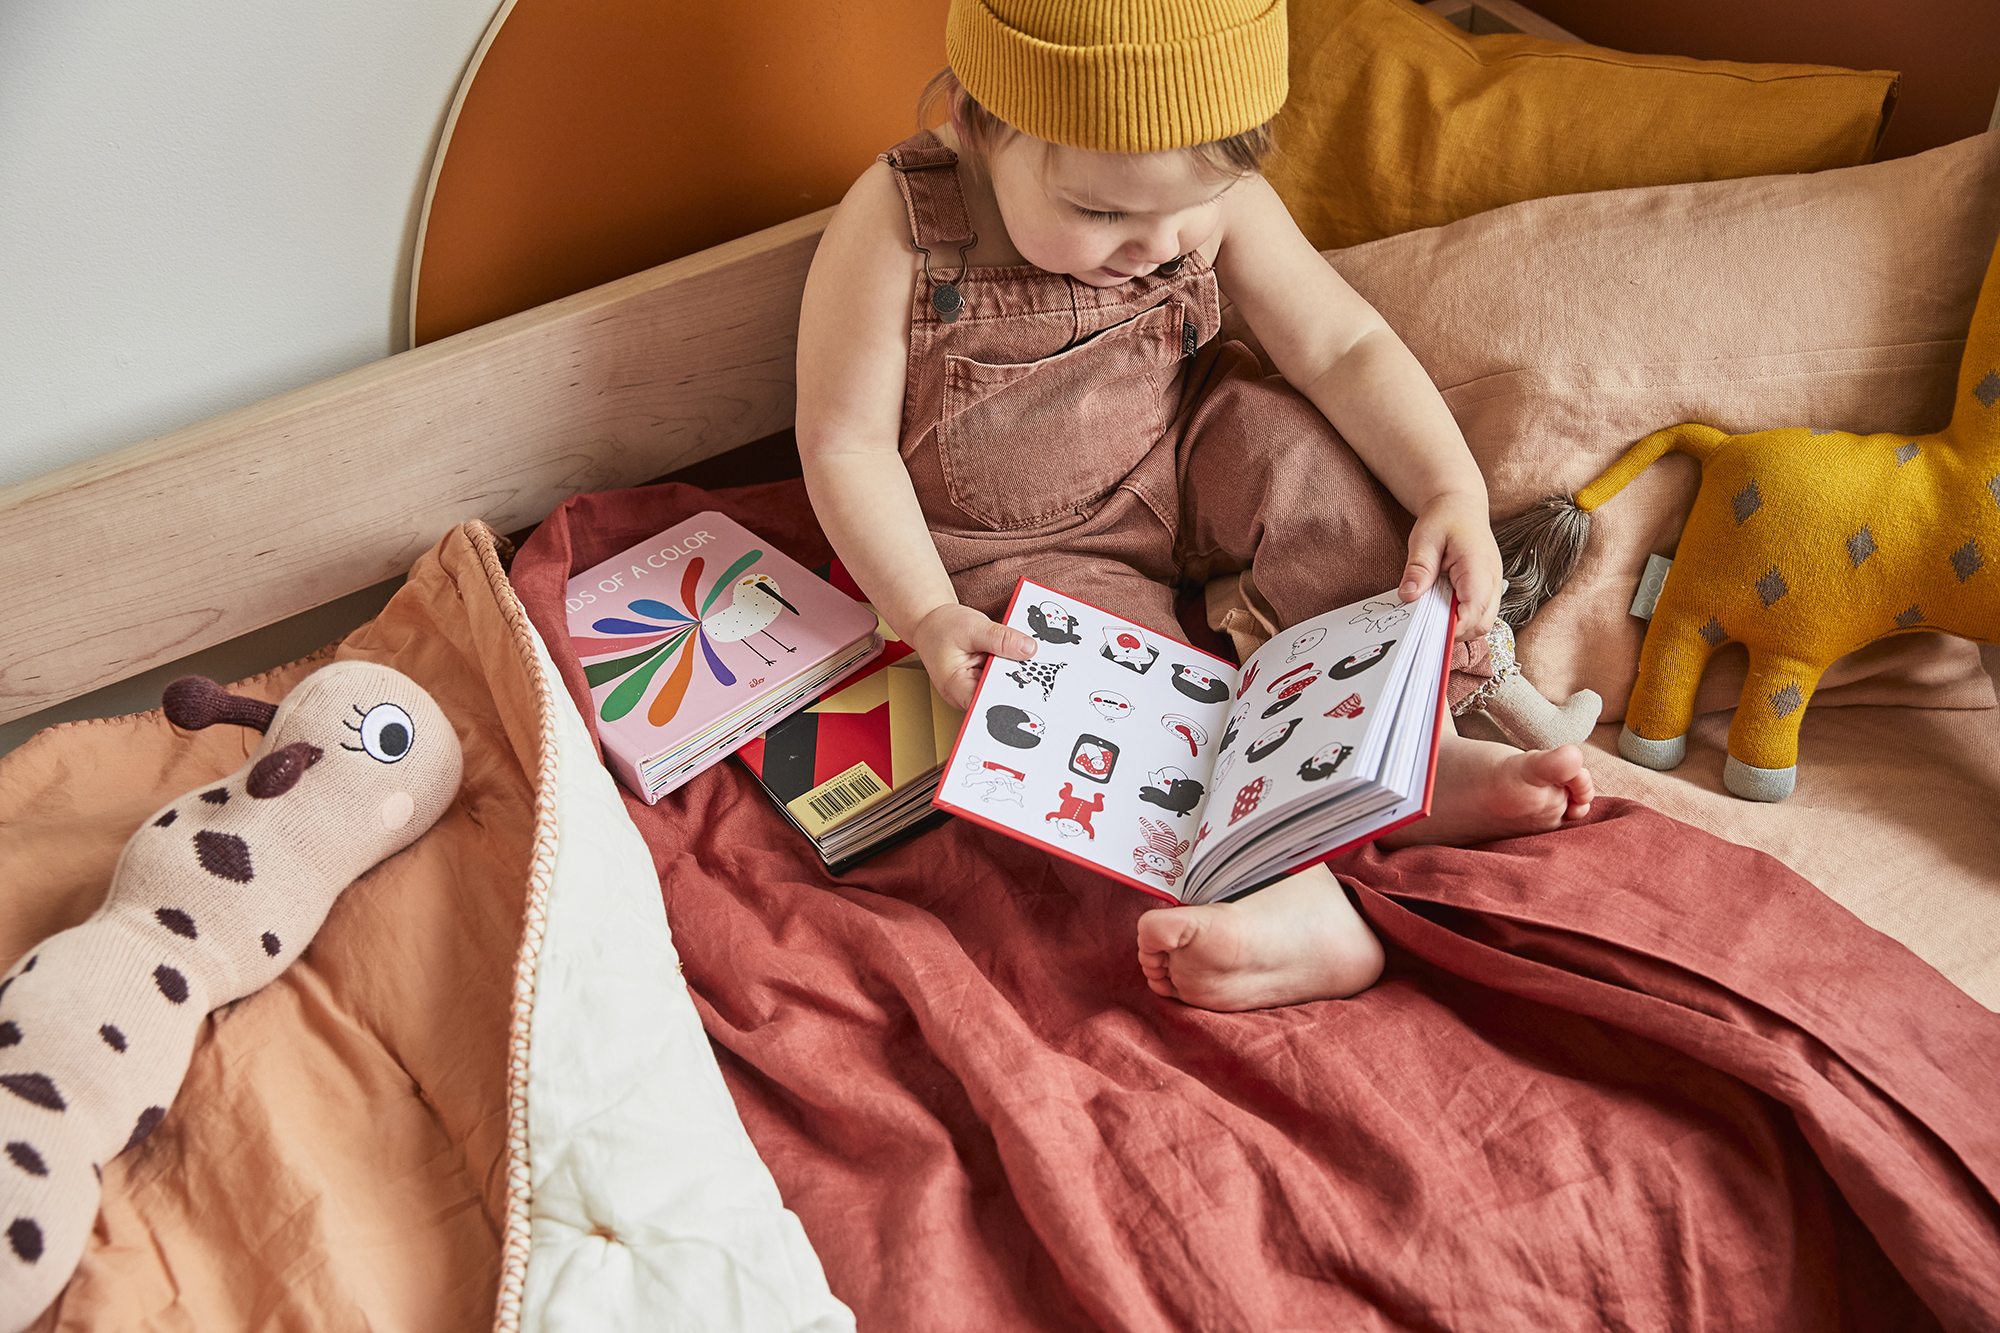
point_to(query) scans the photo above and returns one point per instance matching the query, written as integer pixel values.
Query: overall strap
(926, 173)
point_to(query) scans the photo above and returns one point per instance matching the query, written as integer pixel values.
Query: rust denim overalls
(1104, 441)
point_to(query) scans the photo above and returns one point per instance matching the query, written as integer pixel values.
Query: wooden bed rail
(134, 559)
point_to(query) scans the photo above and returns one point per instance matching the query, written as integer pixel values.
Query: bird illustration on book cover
(671, 634)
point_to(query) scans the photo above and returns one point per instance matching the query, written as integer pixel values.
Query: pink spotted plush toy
(213, 897)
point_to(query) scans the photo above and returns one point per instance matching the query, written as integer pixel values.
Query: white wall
(204, 203)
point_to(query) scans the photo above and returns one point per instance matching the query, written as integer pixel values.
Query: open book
(1168, 768)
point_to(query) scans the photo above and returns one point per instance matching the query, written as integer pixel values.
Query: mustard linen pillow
(1398, 120)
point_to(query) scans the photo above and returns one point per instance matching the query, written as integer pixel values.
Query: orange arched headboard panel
(594, 139)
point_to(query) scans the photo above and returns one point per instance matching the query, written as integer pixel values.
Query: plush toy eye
(386, 733)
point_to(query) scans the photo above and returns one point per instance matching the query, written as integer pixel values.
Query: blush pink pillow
(1562, 330)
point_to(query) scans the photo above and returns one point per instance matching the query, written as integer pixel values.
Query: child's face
(1102, 218)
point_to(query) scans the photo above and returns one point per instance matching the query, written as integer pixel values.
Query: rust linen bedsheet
(1624, 1075)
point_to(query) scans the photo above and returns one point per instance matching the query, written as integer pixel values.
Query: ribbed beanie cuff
(1122, 76)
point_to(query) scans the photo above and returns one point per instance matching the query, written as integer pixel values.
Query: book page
(1313, 720)
(1099, 746)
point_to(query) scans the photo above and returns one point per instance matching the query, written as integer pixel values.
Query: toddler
(1008, 366)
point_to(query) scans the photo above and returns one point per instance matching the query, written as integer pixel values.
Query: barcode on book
(838, 799)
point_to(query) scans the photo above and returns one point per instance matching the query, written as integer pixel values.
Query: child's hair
(981, 131)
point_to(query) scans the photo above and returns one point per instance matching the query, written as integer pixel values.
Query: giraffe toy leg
(1677, 650)
(1763, 760)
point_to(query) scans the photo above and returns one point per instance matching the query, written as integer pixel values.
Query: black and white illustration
(1267, 744)
(1190, 732)
(1093, 758)
(1051, 622)
(1173, 790)
(1290, 691)
(1304, 644)
(1037, 676)
(1200, 684)
(1126, 645)
(1324, 762)
(1015, 726)
(1356, 663)
(993, 780)
(1382, 614)
(1236, 721)
(1111, 705)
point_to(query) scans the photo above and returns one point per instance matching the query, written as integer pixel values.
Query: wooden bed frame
(133, 560)
(139, 558)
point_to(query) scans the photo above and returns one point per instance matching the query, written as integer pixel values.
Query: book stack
(698, 639)
(856, 770)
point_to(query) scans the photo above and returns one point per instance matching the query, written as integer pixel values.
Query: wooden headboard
(131, 560)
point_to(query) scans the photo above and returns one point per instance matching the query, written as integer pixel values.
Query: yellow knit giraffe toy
(1803, 545)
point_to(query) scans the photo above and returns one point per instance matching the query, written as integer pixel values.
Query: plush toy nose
(279, 771)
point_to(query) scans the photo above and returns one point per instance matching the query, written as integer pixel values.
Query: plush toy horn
(194, 702)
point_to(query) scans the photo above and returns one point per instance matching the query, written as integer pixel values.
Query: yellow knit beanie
(1122, 76)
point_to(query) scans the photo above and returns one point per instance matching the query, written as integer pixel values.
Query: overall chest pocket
(1020, 445)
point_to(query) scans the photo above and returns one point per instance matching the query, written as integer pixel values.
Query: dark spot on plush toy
(1746, 502)
(271, 944)
(10, 1034)
(171, 983)
(29, 966)
(24, 1156)
(279, 771)
(224, 855)
(166, 819)
(174, 919)
(112, 1038)
(1987, 391)
(3, 987)
(149, 1120)
(216, 796)
(37, 1088)
(26, 1238)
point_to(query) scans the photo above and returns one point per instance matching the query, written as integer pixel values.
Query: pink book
(697, 639)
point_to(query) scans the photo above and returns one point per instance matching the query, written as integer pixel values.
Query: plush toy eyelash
(386, 733)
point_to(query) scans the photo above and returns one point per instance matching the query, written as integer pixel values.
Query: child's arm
(854, 342)
(1332, 346)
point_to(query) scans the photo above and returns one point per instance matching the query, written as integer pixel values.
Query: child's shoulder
(871, 216)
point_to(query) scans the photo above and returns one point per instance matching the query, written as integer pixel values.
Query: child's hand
(954, 642)
(1452, 536)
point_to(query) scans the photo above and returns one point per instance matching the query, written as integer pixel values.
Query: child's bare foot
(1486, 790)
(1298, 940)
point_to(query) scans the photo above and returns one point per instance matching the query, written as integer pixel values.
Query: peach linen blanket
(1627, 1074)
